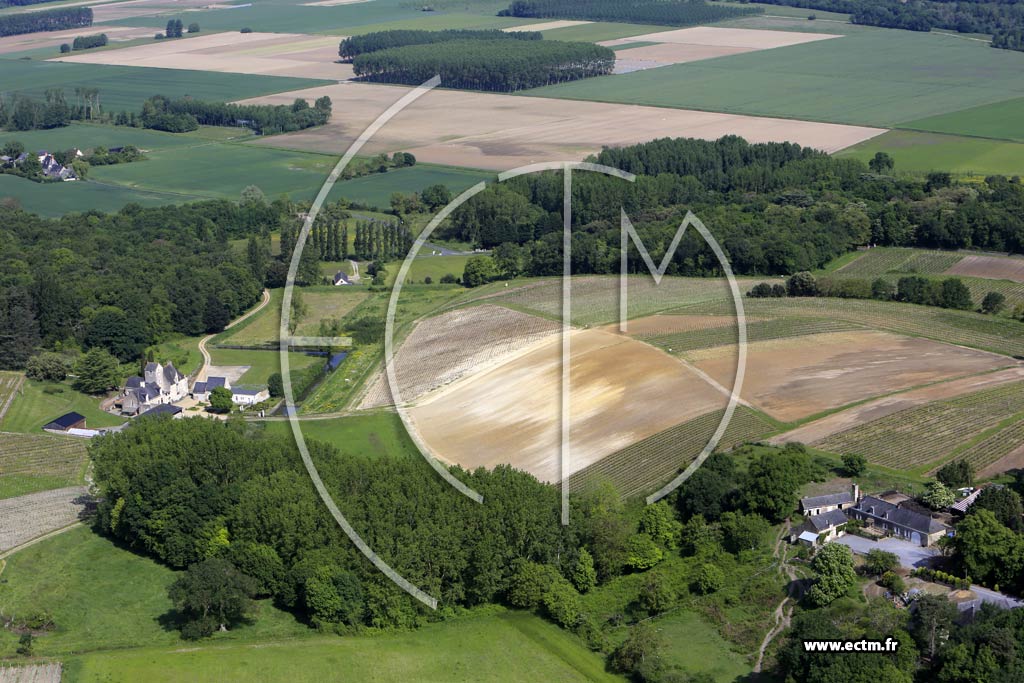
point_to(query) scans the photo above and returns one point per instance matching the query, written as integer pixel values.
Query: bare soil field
(492, 131)
(622, 391)
(795, 378)
(991, 267)
(333, 3)
(818, 430)
(750, 39)
(32, 41)
(271, 54)
(442, 349)
(31, 673)
(657, 325)
(664, 54)
(27, 517)
(112, 11)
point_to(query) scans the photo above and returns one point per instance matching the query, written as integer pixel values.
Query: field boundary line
(10, 399)
(49, 534)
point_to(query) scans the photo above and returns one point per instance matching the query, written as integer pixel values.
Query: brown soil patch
(664, 54)
(818, 430)
(991, 267)
(1014, 460)
(492, 131)
(272, 54)
(656, 325)
(622, 391)
(791, 379)
(32, 41)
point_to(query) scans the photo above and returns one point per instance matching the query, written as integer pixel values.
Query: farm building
(175, 412)
(901, 522)
(818, 505)
(65, 423)
(160, 384)
(249, 397)
(201, 390)
(831, 524)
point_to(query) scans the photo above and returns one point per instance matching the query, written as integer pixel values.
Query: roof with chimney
(882, 510)
(827, 520)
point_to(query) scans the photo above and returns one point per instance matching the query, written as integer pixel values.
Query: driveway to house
(910, 554)
(201, 373)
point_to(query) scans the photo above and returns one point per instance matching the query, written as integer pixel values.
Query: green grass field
(434, 267)
(86, 136)
(106, 600)
(1002, 121)
(376, 189)
(56, 199)
(261, 364)
(869, 77)
(380, 434)
(124, 87)
(919, 153)
(33, 408)
(39, 462)
(601, 30)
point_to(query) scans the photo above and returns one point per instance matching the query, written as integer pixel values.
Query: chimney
(855, 490)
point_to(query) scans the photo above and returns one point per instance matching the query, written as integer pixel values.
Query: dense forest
(498, 65)
(382, 40)
(678, 13)
(22, 3)
(45, 20)
(1004, 20)
(185, 114)
(775, 208)
(127, 280)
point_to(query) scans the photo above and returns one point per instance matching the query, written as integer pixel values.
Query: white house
(53, 168)
(819, 505)
(249, 397)
(160, 385)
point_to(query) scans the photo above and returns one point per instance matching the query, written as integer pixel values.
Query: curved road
(201, 373)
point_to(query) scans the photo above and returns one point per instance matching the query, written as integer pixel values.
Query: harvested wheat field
(791, 379)
(444, 348)
(991, 267)
(657, 325)
(114, 10)
(664, 54)
(750, 39)
(622, 391)
(270, 54)
(492, 131)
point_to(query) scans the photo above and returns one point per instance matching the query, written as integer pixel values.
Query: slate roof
(134, 383)
(826, 500)
(199, 388)
(151, 366)
(246, 392)
(65, 421)
(171, 373)
(341, 277)
(882, 510)
(827, 520)
(214, 382)
(163, 409)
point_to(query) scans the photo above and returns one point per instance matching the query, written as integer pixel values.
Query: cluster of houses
(889, 514)
(163, 385)
(52, 168)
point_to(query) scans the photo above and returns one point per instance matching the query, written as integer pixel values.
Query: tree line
(22, 3)
(382, 40)
(22, 113)
(86, 42)
(670, 13)
(45, 20)
(496, 65)
(775, 209)
(185, 114)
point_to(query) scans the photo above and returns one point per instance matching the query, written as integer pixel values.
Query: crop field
(260, 364)
(442, 349)
(10, 383)
(500, 132)
(376, 189)
(86, 136)
(915, 438)
(53, 39)
(919, 153)
(271, 54)
(510, 414)
(322, 304)
(56, 199)
(434, 267)
(123, 88)
(27, 517)
(964, 328)
(793, 379)
(996, 267)
(1000, 120)
(757, 330)
(881, 83)
(889, 260)
(985, 455)
(31, 673)
(650, 463)
(30, 462)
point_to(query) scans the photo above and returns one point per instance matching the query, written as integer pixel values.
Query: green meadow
(57, 199)
(918, 153)
(868, 77)
(35, 407)
(124, 88)
(1002, 121)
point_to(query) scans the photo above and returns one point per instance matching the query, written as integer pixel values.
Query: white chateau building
(161, 385)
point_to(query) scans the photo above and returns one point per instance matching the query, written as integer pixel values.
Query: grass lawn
(434, 267)
(376, 189)
(322, 303)
(34, 408)
(379, 434)
(870, 76)
(183, 352)
(261, 364)
(124, 87)
(1002, 120)
(702, 650)
(919, 153)
(491, 647)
